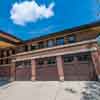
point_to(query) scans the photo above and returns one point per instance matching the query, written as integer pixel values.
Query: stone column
(33, 63)
(96, 62)
(60, 68)
(13, 72)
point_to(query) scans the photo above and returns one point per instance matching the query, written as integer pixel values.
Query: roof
(78, 28)
(7, 40)
(9, 35)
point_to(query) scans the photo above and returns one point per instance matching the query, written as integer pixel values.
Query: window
(68, 59)
(83, 58)
(41, 45)
(2, 53)
(6, 61)
(60, 41)
(1, 61)
(50, 43)
(33, 47)
(20, 64)
(26, 48)
(20, 49)
(71, 38)
(40, 62)
(13, 51)
(8, 54)
(51, 61)
(27, 64)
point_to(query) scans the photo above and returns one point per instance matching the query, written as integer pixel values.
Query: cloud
(29, 11)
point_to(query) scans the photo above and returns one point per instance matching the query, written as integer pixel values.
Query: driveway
(68, 90)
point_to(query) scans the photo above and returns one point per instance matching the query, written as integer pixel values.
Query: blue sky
(40, 17)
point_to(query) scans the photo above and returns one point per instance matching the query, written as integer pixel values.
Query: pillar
(60, 67)
(33, 62)
(13, 72)
(96, 62)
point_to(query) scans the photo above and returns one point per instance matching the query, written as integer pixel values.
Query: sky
(28, 19)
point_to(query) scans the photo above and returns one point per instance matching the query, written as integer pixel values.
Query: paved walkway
(50, 91)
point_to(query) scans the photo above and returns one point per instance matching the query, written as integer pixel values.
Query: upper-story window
(13, 51)
(8, 54)
(33, 47)
(2, 53)
(71, 38)
(60, 41)
(20, 49)
(26, 48)
(41, 45)
(50, 43)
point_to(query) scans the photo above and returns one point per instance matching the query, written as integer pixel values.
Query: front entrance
(46, 69)
(23, 71)
(79, 67)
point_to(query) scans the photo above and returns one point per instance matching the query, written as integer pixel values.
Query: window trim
(59, 42)
(70, 41)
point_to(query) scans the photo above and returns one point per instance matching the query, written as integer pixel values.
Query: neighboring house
(72, 54)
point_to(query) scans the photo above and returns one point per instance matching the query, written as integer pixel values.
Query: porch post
(60, 68)
(96, 62)
(12, 71)
(33, 62)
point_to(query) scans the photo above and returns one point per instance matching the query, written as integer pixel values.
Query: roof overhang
(7, 40)
(4, 44)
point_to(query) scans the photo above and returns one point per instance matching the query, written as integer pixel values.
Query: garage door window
(25, 64)
(40, 62)
(83, 58)
(51, 61)
(68, 59)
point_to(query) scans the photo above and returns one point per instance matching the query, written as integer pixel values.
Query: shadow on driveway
(92, 91)
(3, 82)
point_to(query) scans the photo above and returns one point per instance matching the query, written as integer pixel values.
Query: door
(79, 67)
(46, 70)
(23, 71)
(4, 73)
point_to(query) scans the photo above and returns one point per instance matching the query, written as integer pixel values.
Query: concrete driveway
(50, 91)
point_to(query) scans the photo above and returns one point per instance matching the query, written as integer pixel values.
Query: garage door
(23, 71)
(79, 67)
(4, 73)
(46, 70)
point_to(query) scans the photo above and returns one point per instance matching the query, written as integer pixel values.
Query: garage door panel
(23, 71)
(47, 73)
(23, 74)
(4, 73)
(80, 68)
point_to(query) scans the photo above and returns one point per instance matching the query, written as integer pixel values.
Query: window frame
(59, 41)
(52, 43)
(41, 45)
(68, 56)
(71, 36)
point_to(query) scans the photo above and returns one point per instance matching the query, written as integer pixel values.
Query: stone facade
(68, 55)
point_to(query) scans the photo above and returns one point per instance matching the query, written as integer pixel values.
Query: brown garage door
(23, 71)
(4, 73)
(79, 67)
(46, 70)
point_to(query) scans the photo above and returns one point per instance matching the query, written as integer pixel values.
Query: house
(72, 54)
